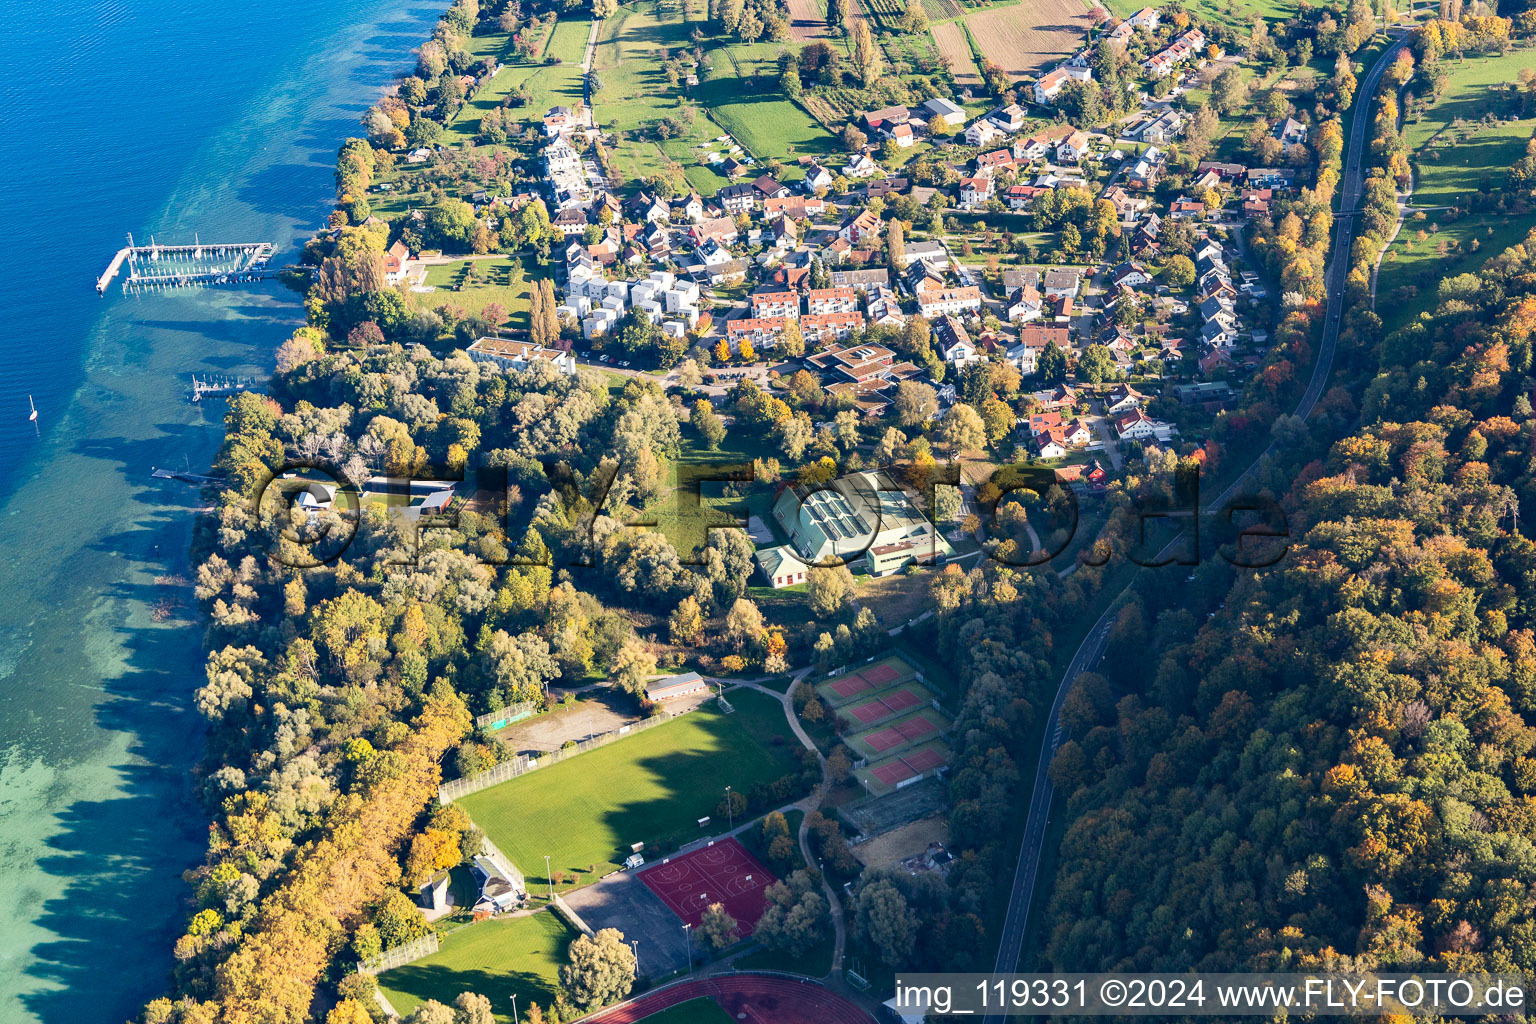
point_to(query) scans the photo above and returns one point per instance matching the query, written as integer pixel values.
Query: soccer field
(694, 1011)
(651, 787)
(518, 956)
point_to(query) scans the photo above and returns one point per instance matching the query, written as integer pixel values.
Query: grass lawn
(506, 281)
(1456, 156)
(1232, 13)
(651, 787)
(635, 96)
(498, 959)
(694, 1011)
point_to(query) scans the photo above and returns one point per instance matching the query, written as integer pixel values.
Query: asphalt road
(1011, 941)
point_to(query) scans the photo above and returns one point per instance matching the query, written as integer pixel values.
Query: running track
(749, 998)
(1011, 941)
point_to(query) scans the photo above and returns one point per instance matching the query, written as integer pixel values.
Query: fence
(399, 956)
(508, 770)
(494, 720)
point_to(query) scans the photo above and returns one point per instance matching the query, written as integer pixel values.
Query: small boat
(33, 417)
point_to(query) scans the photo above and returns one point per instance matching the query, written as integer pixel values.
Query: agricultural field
(1026, 39)
(955, 51)
(518, 956)
(1454, 156)
(808, 20)
(472, 284)
(550, 84)
(651, 787)
(740, 96)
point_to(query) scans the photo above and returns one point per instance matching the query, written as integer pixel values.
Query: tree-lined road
(1011, 940)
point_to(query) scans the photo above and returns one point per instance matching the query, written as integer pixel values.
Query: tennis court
(903, 768)
(866, 681)
(885, 706)
(920, 727)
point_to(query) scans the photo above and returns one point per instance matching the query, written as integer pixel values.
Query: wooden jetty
(157, 267)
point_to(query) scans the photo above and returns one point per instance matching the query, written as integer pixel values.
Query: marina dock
(157, 267)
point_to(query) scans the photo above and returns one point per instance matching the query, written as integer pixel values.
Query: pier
(157, 267)
(185, 477)
(216, 386)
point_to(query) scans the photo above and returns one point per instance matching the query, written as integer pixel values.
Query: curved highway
(1011, 941)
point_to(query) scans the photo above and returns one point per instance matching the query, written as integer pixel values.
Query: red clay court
(900, 733)
(723, 873)
(880, 675)
(850, 684)
(749, 998)
(891, 704)
(907, 767)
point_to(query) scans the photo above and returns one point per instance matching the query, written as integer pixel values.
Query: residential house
(714, 229)
(1130, 275)
(1050, 86)
(831, 326)
(762, 332)
(1138, 426)
(1145, 19)
(395, 260)
(1163, 128)
(570, 221)
(877, 120)
(646, 207)
(1018, 197)
(766, 187)
(1185, 208)
(884, 307)
(1010, 117)
(816, 178)
(1038, 145)
(998, 160)
(775, 304)
(1290, 133)
(860, 227)
(520, 355)
(795, 207)
(1126, 205)
(831, 300)
(982, 132)
(1123, 398)
(1063, 281)
(931, 252)
(740, 198)
(860, 165)
(561, 121)
(952, 341)
(725, 273)
(1144, 172)
(901, 134)
(1024, 304)
(689, 206)
(975, 191)
(1073, 148)
(861, 280)
(1185, 47)
(949, 300)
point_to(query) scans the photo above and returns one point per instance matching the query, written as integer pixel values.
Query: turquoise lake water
(158, 117)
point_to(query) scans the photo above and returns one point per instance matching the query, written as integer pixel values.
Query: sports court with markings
(722, 872)
(865, 682)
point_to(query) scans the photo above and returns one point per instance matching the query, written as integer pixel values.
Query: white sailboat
(33, 417)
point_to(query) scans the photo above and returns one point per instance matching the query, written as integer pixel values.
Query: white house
(1050, 86)
(520, 355)
(1073, 148)
(982, 131)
